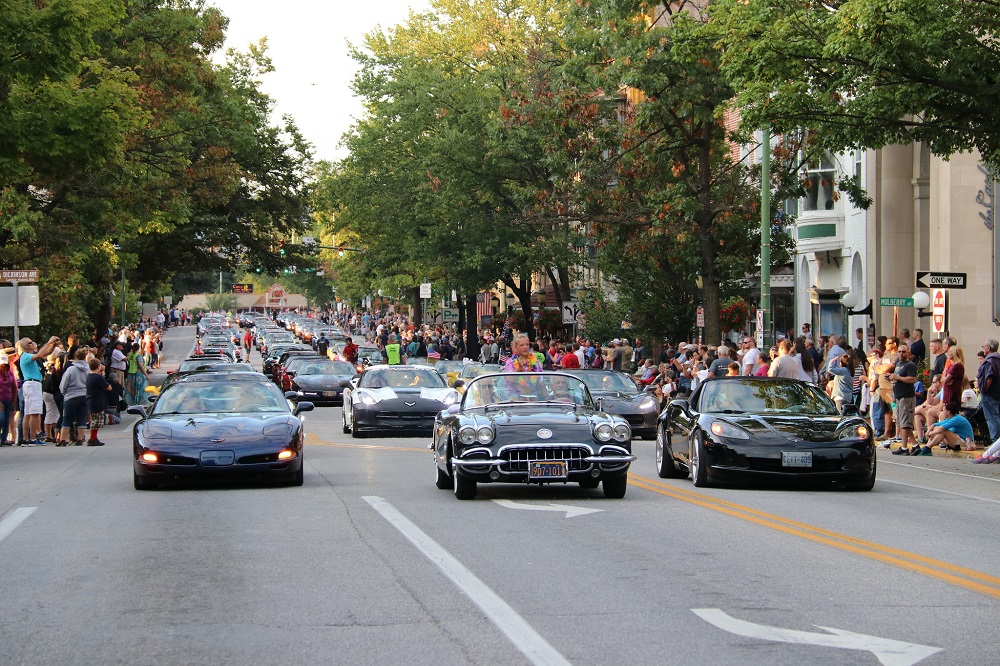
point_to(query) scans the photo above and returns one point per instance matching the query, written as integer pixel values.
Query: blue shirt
(29, 367)
(959, 425)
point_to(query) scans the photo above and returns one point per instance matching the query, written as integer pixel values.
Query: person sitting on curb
(950, 432)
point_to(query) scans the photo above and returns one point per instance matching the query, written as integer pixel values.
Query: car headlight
(604, 432)
(649, 402)
(467, 435)
(723, 429)
(368, 399)
(622, 432)
(484, 435)
(854, 432)
(450, 399)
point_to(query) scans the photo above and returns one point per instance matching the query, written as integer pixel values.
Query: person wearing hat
(8, 397)
(30, 363)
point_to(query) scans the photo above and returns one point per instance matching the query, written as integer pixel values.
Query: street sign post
(889, 302)
(425, 290)
(28, 275)
(450, 315)
(939, 311)
(927, 279)
(15, 277)
(570, 311)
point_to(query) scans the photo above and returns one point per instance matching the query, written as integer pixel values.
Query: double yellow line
(313, 439)
(927, 566)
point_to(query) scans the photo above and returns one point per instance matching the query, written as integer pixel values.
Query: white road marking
(15, 518)
(522, 635)
(888, 651)
(570, 510)
(943, 492)
(939, 471)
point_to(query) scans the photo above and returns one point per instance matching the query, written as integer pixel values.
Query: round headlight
(604, 432)
(622, 432)
(484, 435)
(467, 435)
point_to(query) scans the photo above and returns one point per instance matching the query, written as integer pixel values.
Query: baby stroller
(980, 428)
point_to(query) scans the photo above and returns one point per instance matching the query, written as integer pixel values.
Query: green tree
(867, 73)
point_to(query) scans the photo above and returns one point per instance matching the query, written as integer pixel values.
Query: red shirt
(570, 361)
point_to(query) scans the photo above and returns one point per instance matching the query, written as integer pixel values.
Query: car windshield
(477, 370)
(402, 377)
(764, 396)
(597, 380)
(216, 397)
(326, 368)
(526, 387)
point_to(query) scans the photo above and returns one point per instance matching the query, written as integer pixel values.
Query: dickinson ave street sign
(927, 279)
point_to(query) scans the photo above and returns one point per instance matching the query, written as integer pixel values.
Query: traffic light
(281, 248)
(259, 269)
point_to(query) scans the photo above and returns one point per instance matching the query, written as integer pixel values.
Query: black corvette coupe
(770, 429)
(531, 428)
(321, 380)
(208, 425)
(395, 397)
(620, 395)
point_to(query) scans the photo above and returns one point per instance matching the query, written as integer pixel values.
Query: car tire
(354, 428)
(699, 471)
(666, 468)
(590, 483)
(867, 484)
(465, 488)
(299, 477)
(443, 481)
(615, 488)
(140, 483)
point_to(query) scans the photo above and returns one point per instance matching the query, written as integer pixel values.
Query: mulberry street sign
(927, 279)
(888, 302)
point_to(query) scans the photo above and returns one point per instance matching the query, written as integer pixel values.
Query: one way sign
(928, 279)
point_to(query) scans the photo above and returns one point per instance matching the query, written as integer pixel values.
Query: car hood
(425, 393)
(787, 426)
(325, 381)
(232, 428)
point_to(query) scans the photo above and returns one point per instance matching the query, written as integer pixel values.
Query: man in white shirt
(750, 354)
(118, 359)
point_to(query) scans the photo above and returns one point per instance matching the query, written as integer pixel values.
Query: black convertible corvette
(209, 425)
(530, 428)
(771, 429)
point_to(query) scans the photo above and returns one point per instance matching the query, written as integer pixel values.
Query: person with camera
(30, 363)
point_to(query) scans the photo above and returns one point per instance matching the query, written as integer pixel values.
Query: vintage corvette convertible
(761, 428)
(530, 428)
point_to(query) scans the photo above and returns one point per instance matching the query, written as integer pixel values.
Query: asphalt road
(369, 563)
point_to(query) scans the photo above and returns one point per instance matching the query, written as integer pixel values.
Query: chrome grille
(516, 459)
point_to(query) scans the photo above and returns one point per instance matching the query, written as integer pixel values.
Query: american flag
(434, 354)
(484, 307)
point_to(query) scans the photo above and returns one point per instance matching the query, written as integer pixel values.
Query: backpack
(598, 362)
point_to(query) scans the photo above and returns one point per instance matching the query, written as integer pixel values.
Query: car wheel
(590, 483)
(140, 483)
(299, 477)
(867, 484)
(465, 489)
(699, 470)
(354, 428)
(615, 488)
(443, 481)
(665, 466)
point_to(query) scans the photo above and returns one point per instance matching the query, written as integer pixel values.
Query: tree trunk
(472, 337)
(418, 306)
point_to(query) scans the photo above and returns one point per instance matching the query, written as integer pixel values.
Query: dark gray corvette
(530, 428)
(208, 425)
(771, 429)
(395, 398)
(620, 395)
(321, 381)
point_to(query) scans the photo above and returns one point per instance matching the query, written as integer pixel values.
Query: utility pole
(765, 235)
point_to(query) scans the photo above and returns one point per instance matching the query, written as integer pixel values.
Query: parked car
(763, 428)
(530, 428)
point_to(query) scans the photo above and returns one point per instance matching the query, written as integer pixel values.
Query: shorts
(52, 415)
(75, 411)
(32, 391)
(904, 412)
(97, 420)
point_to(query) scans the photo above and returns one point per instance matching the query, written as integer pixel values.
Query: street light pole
(765, 234)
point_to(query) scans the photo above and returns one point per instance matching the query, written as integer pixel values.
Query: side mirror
(851, 410)
(347, 384)
(291, 395)
(303, 407)
(136, 409)
(600, 404)
(459, 383)
(151, 399)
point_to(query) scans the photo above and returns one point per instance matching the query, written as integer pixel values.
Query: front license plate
(796, 459)
(217, 458)
(547, 470)
(329, 394)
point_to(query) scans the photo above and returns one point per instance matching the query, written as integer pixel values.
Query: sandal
(984, 460)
